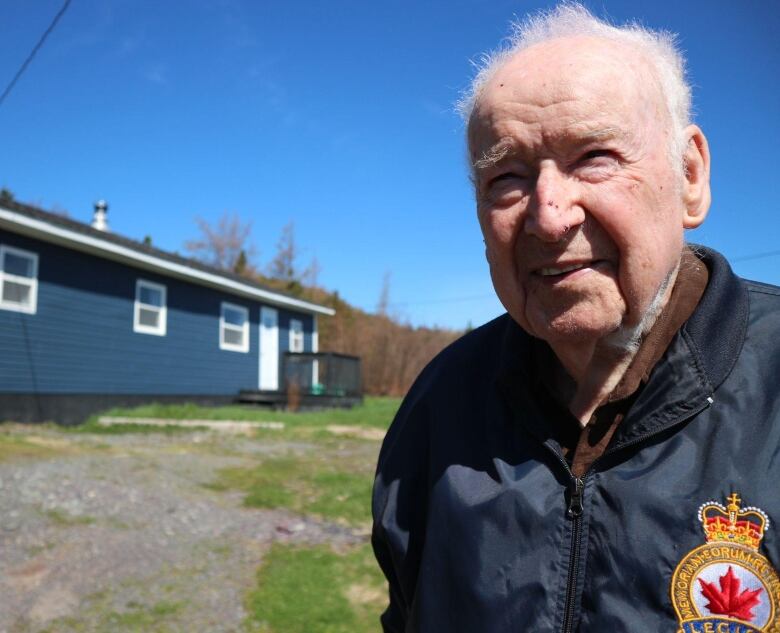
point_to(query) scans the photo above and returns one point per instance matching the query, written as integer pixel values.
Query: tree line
(393, 352)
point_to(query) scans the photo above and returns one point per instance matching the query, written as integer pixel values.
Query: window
(18, 280)
(234, 328)
(150, 313)
(296, 335)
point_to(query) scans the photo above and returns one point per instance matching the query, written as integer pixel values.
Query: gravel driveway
(103, 533)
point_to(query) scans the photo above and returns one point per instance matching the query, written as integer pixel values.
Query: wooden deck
(281, 400)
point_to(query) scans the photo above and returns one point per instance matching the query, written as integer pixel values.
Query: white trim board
(39, 229)
(268, 368)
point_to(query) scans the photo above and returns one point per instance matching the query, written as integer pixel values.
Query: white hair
(571, 19)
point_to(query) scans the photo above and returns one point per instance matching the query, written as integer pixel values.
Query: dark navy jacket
(480, 526)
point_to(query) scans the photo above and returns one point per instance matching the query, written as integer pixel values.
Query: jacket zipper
(574, 512)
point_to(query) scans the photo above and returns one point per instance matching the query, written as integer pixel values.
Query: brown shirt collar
(583, 446)
(688, 289)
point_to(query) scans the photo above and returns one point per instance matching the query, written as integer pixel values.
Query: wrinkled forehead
(556, 82)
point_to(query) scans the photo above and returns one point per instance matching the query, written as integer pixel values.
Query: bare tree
(383, 305)
(284, 266)
(225, 245)
(311, 275)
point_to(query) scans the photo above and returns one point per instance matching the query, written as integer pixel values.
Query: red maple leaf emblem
(728, 600)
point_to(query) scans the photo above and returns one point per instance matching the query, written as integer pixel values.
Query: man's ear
(696, 182)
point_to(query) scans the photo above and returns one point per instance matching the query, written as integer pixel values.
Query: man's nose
(554, 208)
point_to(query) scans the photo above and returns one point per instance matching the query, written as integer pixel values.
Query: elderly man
(606, 457)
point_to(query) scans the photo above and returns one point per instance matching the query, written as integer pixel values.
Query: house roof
(50, 227)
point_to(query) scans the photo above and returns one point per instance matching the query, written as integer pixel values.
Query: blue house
(90, 319)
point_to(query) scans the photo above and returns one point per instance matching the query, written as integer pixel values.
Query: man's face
(579, 205)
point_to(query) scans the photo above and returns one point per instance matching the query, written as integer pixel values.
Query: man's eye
(596, 154)
(596, 164)
(506, 177)
(504, 188)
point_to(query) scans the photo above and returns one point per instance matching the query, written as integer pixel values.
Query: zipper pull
(575, 501)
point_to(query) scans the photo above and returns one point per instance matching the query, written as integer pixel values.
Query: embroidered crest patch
(726, 585)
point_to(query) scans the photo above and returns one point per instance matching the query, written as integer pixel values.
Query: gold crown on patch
(732, 524)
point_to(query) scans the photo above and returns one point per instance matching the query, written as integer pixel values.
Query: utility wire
(32, 54)
(448, 300)
(745, 258)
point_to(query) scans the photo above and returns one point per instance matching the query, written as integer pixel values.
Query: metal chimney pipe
(100, 218)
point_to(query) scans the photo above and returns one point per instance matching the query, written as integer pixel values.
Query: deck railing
(322, 374)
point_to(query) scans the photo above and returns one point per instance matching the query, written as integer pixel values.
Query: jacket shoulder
(764, 301)
(763, 315)
(761, 288)
(450, 384)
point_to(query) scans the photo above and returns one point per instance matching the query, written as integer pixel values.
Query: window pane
(17, 265)
(296, 343)
(14, 292)
(150, 296)
(233, 337)
(296, 335)
(149, 318)
(233, 317)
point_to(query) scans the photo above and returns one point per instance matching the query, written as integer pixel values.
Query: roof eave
(39, 229)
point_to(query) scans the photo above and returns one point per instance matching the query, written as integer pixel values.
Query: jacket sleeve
(399, 507)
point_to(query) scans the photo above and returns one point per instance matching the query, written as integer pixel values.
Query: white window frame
(162, 322)
(32, 282)
(223, 326)
(296, 336)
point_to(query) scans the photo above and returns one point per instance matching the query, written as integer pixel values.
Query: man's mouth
(561, 270)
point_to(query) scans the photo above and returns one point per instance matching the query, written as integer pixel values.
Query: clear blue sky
(338, 116)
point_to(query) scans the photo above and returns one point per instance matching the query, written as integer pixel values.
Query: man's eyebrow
(602, 134)
(494, 154)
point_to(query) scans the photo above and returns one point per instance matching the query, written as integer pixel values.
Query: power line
(745, 258)
(35, 49)
(447, 300)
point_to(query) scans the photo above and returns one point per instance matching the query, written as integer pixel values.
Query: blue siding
(81, 339)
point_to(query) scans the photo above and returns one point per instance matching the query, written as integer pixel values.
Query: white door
(269, 350)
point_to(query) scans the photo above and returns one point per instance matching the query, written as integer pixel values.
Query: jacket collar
(697, 361)
(718, 326)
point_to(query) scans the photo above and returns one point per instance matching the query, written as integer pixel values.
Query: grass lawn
(302, 590)
(330, 483)
(315, 590)
(373, 413)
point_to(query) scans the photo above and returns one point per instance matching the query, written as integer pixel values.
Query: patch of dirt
(356, 431)
(361, 594)
(97, 540)
(228, 426)
(48, 442)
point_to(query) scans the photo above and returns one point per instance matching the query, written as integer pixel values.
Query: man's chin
(573, 330)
